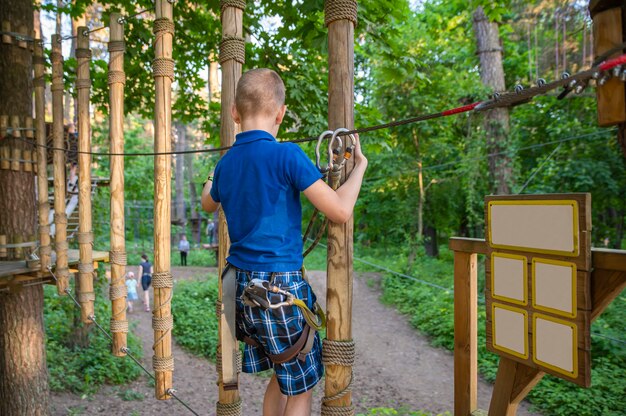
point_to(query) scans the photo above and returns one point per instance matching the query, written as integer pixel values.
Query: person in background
(131, 289)
(183, 247)
(210, 227)
(146, 270)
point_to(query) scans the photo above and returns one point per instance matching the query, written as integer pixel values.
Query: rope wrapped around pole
(58, 134)
(229, 409)
(39, 84)
(117, 254)
(162, 282)
(340, 10)
(233, 47)
(239, 4)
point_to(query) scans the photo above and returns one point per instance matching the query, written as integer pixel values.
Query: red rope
(612, 63)
(458, 110)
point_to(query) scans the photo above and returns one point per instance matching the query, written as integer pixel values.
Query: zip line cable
(520, 96)
(126, 350)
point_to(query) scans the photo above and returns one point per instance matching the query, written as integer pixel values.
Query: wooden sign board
(538, 282)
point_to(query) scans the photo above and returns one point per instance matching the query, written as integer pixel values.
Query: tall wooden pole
(85, 233)
(119, 324)
(232, 33)
(340, 22)
(39, 84)
(163, 67)
(60, 218)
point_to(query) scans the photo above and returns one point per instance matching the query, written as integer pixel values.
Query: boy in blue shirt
(258, 183)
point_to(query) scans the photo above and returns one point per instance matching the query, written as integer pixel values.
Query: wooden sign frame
(579, 259)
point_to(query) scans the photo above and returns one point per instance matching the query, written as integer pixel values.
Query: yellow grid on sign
(572, 203)
(574, 345)
(523, 312)
(524, 301)
(573, 311)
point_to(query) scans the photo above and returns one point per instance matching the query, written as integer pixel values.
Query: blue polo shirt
(258, 182)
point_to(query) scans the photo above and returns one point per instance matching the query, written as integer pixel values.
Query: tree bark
(496, 122)
(24, 376)
(23, 372)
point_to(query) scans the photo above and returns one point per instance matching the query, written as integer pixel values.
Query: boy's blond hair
(259, 92)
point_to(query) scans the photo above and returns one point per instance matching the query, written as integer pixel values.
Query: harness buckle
(257, 294)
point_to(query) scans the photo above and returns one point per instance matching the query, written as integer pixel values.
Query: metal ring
(565, 75)
(121, 20)
(519, 88)
(541, 82)
(317, 150)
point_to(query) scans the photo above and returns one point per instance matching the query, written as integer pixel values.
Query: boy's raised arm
(208, 204)
(338, 206)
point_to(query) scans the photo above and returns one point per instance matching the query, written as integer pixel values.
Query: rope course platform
(15, 274)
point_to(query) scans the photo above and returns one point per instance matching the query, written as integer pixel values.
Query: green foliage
(83, 370)
(431, 310)
(193, 308)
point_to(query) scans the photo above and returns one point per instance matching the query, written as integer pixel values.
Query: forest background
(426, 181)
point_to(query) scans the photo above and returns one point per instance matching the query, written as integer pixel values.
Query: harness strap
(228, 339)
(301, 348)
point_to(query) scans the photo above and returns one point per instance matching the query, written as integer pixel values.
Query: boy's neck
(260, 123)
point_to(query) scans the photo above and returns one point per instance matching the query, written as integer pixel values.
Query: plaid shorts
(277, 330)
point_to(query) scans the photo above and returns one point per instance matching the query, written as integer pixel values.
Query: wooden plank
(606, 285)
(42, 157)
(162, 202)
(60, 219)
(340, 236)
(465, 333)
(117, 234)
(597, 6)
(513, 381)
(607, 34)
(468, 245)
(85, 246)
(609, 259)
(232, 25)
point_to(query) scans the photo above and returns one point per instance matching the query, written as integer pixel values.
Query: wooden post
(163, 67)
(3, 250)
(609, 31)
(465, 333)
(26, 151)
(60, 218)
(340, 236)
(16, 156)
(5, 150)
(85, 233)
(6, 27)
(39, 85)
(117, 256)
(232, 27)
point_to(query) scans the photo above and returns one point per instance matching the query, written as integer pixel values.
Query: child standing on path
(131, 289)
(145, 270)
(258, 183)
(183, 247)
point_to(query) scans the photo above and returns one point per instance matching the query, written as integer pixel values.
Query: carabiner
(317, 151)
(349, 148)
(334, 153)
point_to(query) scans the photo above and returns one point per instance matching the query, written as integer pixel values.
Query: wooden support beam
(39, 84)
(340, 236)
(465, 333)
(85, 234)
(117, 235)
(608, 33)
(513, 382)
(60, 219)
(468, 245)
(162, 282)
(232, 26)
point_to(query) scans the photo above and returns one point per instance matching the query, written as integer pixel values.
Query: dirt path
(395, 367)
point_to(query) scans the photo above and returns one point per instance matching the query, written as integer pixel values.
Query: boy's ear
(235, 114)
(281, 114)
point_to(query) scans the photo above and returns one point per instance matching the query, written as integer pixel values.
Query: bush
(195, 324)
(83, 369)
(386, 411)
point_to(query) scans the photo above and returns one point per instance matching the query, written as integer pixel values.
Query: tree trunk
(496, 122)
(23, 372)
(180, 217)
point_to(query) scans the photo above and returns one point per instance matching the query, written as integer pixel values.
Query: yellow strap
(317, 319)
